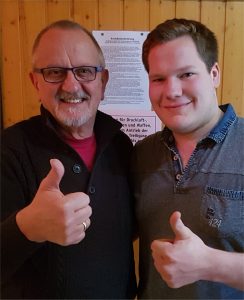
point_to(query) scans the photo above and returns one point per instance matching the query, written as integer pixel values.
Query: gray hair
(68, 25)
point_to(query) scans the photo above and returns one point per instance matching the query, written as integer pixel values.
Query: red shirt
(86, 148)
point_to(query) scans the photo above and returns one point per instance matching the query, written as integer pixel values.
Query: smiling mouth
(177, 105)
(73, 101)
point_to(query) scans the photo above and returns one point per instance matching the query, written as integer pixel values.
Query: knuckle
(87, 199)
(89, 210)
(153, 245)
(80, 238)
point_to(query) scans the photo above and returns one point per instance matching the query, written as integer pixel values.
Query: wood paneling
(32, 20)
(59, 9)
(11, 72)
(86, 13)
(233, 64)
(188, 9)
(160, 11)
(136, 14)
(21, 20)
(111, 15)
(209, 10)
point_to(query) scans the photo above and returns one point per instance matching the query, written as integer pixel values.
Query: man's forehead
(58, 46)
(58, 35)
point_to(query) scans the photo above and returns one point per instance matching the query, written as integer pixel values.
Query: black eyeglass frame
(42, 70)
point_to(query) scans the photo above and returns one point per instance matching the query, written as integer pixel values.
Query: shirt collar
(105, 126)
(217, 134)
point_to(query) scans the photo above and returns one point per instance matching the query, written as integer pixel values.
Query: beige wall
(22, 19)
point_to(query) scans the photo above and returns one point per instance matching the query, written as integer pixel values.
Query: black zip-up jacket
(102, 265)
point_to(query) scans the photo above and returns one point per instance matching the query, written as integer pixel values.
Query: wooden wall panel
(233, 71)
(11, 73)
(188, 9)
(21, 20)
(209, 10)
(86, 13)
(59, 9)
(32, 20)
(111, 15)
(136, 15)
(160, 11)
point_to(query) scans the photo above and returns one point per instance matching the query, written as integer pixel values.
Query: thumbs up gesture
(53, 216)
(183, 260)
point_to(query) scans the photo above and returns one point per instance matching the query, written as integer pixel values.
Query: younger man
(193, 169)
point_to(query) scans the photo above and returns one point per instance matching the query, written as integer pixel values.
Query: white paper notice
(128, 81)
(137, 124)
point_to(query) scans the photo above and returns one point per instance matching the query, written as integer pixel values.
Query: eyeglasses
(58, 74)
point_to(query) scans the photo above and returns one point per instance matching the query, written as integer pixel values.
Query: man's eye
(159, 79)
(83, 71)
(186, 75)
(54, 72)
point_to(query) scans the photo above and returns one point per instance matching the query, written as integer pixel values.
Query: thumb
(181, 231)
(53, 178)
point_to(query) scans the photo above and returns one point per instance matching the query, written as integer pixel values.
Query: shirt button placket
(178, 176)
(92, 190)
(77, 168)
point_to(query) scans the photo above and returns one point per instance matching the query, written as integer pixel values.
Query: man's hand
(183, 260)
(53, 216)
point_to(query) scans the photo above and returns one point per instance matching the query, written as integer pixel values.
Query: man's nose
(172, 88)
(70, 84)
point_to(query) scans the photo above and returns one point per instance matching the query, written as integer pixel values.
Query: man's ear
(105, 77)
(34, 80)
(215, 74)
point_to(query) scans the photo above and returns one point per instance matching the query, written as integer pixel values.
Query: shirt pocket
(222, 213)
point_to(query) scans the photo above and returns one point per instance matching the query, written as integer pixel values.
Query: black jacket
(102, 265)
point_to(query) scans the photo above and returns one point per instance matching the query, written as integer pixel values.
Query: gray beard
(73, 121)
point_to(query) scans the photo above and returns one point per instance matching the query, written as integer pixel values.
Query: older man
(67, 231)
